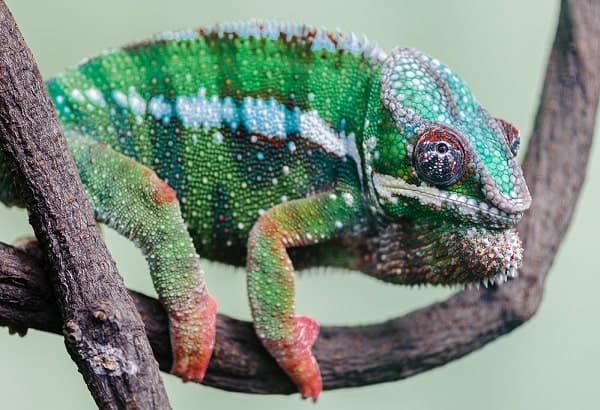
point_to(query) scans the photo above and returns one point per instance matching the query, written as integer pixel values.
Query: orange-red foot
(192, 328)
(295, 358)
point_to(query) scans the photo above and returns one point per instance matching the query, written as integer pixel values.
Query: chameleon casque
(274, 145)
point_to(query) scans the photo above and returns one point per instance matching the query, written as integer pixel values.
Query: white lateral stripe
(315, 129)
(266, 118)
(258, 116)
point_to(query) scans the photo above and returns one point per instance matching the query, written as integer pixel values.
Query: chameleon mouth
(392, 189)
(496, 280)
(503, 249)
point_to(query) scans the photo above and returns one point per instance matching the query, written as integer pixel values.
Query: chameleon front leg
(131, 198)
(271, 277)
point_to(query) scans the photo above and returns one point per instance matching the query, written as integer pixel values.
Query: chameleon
(282, 146)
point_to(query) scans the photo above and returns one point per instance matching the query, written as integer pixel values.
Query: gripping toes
(192, 329)
(294, 356)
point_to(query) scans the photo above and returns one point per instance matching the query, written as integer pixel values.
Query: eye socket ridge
(439, 157)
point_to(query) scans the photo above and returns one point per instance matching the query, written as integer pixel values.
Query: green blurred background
(500, 48)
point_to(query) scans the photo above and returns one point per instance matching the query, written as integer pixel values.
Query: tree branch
(555, 168)
(103, 333)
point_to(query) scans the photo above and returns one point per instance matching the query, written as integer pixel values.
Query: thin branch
(555, 168)
(103, 333)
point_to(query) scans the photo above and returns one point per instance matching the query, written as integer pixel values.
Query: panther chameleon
(277, 145)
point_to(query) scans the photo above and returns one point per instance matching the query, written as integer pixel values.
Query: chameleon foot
(295, 358)
(192, 330)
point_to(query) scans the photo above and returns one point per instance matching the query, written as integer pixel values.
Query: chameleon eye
(511, 134)
(439, 157)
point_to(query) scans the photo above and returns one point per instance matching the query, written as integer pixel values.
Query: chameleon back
(235, 123)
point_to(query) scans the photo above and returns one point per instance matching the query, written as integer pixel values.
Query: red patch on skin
(163, 193)
(193, 334)
(510, 130)
(295, 358)
(511, 134)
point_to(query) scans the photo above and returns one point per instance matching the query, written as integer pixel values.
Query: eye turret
(439, 157)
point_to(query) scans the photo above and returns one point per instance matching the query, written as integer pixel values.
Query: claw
(193, 337)
(295, 358)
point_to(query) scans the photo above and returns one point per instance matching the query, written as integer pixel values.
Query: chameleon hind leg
(130, 198)
(271, 278)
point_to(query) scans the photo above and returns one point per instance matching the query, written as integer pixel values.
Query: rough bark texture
(103, 332)
(555, 168)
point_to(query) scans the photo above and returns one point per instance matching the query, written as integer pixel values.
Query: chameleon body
(272, 144)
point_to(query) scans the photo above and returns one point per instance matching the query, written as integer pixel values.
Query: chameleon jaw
(498, 279)
(392, 189)
(430, 251)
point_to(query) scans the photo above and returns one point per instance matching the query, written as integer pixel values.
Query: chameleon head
(438, 159)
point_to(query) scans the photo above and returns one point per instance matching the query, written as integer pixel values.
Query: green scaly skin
(240, 142)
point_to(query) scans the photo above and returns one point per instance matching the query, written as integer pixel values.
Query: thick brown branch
(555, 167)
(103, 332)
(393, 350)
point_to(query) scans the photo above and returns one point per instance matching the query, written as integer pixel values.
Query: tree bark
(554, 166)
(103, 332)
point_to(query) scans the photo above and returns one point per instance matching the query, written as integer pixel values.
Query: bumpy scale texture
(273, 144)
